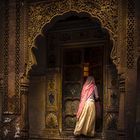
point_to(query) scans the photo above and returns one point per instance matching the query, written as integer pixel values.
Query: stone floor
(78, 138)
(71, 138)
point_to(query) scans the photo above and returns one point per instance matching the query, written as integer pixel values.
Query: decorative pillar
(121, 123)
(24, 107)
(53, 104)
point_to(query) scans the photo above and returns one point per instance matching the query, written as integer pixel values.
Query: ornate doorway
(72, 48)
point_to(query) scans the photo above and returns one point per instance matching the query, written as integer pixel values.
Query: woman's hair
(90, 79)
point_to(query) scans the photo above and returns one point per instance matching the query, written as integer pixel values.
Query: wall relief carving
(52, 99)
(51, 89)
(51, 121)
(40, 14)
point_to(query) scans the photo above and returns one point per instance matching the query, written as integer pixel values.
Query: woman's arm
(96, 93)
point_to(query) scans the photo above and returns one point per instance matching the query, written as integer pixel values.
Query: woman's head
(90, 79)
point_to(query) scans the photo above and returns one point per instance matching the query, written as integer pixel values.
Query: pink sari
(87, 90)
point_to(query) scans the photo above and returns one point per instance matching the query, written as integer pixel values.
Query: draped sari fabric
(85, 125)
(86, 112)
(87, 90)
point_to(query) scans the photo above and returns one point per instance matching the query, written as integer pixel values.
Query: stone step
(68, 138)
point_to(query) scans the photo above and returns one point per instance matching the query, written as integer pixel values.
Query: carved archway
(54, 74)
(42, 13)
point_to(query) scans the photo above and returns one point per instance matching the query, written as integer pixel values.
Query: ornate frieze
(81, 35)
(42, 13)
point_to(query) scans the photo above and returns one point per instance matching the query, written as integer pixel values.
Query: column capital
(24, 81)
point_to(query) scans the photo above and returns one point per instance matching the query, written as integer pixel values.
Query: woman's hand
(97, 97)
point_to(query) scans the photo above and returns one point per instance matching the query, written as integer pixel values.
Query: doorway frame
(90, 44)
(63, 15)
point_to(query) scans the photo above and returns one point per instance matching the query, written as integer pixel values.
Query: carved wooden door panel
(72, 82)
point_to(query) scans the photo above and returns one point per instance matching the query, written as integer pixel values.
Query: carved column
(121, 123)
(24, 107)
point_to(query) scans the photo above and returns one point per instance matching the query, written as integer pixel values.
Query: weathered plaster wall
(37, 105)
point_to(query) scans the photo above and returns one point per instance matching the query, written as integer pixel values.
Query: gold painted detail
(52, 99)
(51, 92)
(51, 121)
(42, 13)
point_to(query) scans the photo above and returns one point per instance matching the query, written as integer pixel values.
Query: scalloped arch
(41, 14)
(65, 16)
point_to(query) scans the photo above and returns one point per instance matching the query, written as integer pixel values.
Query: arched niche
(110, 96)
(41, 37)
(40, 14)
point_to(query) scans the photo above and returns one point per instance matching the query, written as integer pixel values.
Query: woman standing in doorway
(86, 112)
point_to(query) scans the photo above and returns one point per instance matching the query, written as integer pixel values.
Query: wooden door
(74, 75)
(72, 83)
